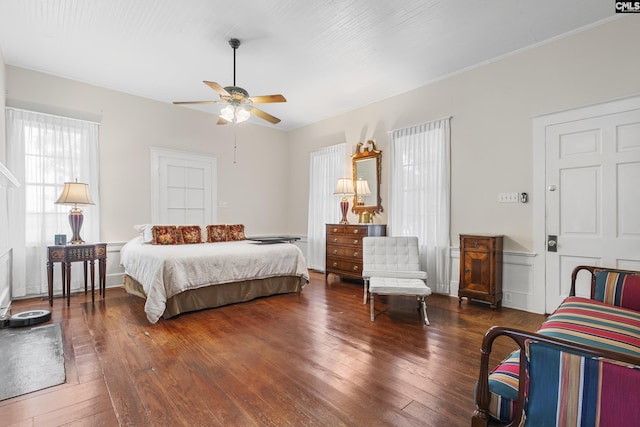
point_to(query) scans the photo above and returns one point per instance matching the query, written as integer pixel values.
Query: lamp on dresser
(344, 187)
(74, 194)
(362, 189)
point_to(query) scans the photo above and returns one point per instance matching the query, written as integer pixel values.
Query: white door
(183, 188)
(592, 198)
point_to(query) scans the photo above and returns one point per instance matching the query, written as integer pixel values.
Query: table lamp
(362, 189)
(74, 194)
(344, 186)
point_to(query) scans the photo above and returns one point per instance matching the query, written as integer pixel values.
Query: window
(325, 167)
(44, 151)
(420, 195)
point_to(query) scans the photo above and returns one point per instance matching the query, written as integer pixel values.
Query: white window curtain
(325, 167)
(419, 194)
(44, 151)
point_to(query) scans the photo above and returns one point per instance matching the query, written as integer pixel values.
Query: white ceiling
(325, 56)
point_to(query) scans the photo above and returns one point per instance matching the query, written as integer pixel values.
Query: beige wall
(253, 188)
(491, 137)
(267, 189)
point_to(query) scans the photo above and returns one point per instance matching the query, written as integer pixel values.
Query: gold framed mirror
(367, 170)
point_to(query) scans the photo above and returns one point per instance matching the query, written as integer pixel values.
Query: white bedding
(166, 270)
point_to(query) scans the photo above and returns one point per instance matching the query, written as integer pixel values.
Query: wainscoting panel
(115, 272)
(517, 279)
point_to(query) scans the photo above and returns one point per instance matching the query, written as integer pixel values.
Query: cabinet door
(477, 271)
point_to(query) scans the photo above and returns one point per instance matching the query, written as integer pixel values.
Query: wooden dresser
(481, 268)
(344, 247)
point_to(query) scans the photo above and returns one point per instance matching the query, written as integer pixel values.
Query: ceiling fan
(239, 104)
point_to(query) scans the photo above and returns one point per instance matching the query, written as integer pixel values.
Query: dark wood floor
(313, 359)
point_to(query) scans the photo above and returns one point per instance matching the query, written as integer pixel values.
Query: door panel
(184, 188)
(477, 271)
(593, 197)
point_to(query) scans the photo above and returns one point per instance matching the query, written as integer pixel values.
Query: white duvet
(166, 270)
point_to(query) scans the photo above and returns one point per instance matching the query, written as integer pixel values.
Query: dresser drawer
(477, 243)
(356, 230)
(335, 229)
(345, 241)
(344, 252)
(346, 266)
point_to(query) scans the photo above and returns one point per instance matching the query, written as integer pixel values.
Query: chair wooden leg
(373, 314)
(366, 287)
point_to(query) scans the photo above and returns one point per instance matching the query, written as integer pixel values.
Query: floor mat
(30, 359)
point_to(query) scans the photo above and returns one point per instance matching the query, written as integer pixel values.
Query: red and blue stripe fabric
(568, 389)
(580, 320)
(619, 289)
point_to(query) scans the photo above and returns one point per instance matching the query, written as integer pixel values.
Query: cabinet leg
(459, 301)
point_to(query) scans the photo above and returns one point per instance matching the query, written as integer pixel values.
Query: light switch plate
(508, 197)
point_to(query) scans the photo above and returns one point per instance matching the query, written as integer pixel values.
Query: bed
(175, 279)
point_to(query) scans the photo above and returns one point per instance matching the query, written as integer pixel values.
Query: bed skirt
(220, 294)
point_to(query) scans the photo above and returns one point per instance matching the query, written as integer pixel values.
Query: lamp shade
(75, 193)
(344, 186)
(362, 187)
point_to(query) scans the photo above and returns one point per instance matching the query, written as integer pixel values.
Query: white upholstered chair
(391, 266)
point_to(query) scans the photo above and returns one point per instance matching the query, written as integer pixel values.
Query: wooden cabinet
(481, 268)
(344, 247)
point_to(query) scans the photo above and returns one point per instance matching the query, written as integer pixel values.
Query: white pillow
(145, 232)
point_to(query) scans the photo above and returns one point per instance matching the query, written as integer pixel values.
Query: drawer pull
(355, 253)
(355, 242)
(335, 251)
(335, 230)
(335, 240)
(355, 268)
(475, 245)
(335, 264)
(356, 231)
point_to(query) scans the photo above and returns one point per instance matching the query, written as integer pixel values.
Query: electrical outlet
(508, 197)
(507, 296)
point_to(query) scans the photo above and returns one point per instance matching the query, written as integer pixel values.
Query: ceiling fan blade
(195, 102)
(265, 99)
(215, 86)
(265, 116)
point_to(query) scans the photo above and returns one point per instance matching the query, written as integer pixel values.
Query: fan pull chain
(235, 141)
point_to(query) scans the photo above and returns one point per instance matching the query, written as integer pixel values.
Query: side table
(68, 254)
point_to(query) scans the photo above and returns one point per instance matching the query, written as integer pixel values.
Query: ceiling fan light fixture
(228, 113)
(235, 114)
(242, 114)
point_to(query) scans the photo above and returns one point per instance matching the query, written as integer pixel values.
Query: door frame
(539, 126)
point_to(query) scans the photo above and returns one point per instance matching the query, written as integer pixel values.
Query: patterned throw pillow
(619, 289)
(166, 235)
(216, 233)
(235, 232)
(190, 234)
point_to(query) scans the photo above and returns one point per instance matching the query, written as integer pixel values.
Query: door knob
(552, 243)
